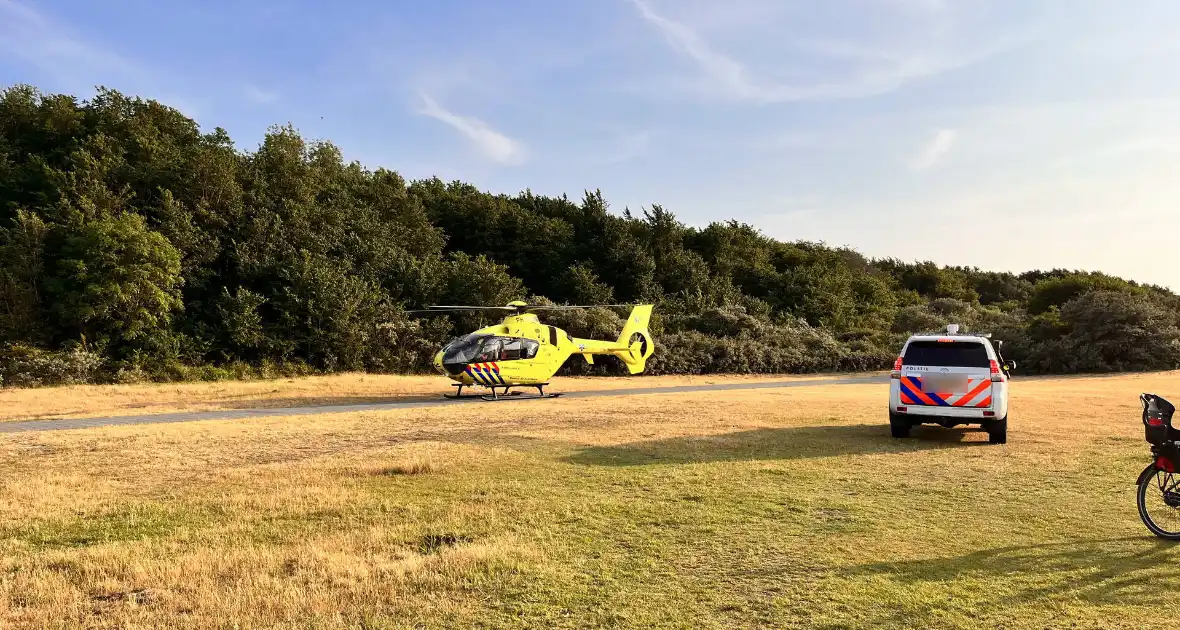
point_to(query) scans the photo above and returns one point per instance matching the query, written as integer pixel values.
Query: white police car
(950, 379)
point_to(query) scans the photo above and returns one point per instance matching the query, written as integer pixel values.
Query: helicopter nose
(438, 362)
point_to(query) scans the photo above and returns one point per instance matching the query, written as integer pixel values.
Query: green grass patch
(129, 522)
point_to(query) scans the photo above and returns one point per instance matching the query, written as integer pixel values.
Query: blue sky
(1008, 134)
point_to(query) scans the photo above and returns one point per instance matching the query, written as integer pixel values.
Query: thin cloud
(70, 62)
(930, 6)
(790, 206)
(727, 77)
(934, 150)
(490, 142)
(1119, 151)
(29, 35)
(630, 147)
(687, 41)
(259, 95)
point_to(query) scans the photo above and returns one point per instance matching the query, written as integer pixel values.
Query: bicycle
(1161, 474)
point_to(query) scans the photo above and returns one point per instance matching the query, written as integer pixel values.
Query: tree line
(135, 246)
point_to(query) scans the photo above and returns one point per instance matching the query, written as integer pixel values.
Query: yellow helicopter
(522, 352)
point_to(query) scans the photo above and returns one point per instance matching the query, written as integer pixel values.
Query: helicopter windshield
(464, 349)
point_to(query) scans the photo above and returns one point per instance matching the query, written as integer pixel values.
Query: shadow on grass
(783, 443)
(1131, 571)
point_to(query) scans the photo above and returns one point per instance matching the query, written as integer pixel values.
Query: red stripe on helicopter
(489, 371)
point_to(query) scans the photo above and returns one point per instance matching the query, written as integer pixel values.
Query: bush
(1112, 331)
(24, 366)
(780, 349)
(915, 319)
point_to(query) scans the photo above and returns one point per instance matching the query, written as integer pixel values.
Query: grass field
(786, 508)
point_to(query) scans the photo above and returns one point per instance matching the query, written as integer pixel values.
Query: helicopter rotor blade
(561, 307)
(510, 309)
(466, 307)
(460, 309)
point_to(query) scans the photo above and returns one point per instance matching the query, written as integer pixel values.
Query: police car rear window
(946, 354)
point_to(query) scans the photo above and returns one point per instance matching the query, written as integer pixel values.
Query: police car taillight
(996, 376)
(896, 369)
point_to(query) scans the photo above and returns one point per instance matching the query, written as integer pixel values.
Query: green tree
(113, 281)
(22, 251)
(1114, 331)
(581, 286)
(1056, 291)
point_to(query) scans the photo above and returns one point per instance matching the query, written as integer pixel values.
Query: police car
(950, 379)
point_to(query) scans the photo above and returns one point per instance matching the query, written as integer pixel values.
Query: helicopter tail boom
(634, 345)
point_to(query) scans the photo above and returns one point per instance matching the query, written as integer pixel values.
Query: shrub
(25, 366)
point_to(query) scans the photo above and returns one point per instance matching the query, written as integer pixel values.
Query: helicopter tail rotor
(637, 338)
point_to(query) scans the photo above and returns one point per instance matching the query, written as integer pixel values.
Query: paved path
(237, 414)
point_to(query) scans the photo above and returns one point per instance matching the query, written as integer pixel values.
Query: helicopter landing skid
(507, 394)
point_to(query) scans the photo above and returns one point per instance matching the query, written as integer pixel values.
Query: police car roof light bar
(951, 331)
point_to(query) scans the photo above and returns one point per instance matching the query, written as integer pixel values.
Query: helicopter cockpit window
(489, 350)
(512, 350)
(529, 348)
(464, 349)
(515, 349)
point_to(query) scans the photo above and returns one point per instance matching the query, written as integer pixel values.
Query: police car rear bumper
(937, 414)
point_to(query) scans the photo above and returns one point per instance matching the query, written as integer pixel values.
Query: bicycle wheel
(1158, 497)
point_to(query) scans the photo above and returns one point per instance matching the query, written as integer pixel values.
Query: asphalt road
(240, 414)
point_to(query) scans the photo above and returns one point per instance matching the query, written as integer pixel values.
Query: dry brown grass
(782, 508)
(415, 466)
(98, 400)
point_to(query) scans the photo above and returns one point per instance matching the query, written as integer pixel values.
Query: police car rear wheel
(899, 427)
(997, 431)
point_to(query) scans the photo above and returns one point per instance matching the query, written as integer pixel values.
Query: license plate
(944, 384)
